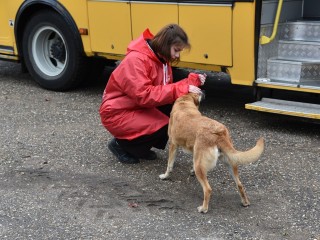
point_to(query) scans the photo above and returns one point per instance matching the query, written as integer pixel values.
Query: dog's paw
(201, 209)
(163, 176)
(246, 204)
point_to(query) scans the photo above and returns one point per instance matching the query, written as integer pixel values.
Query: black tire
(51, 53)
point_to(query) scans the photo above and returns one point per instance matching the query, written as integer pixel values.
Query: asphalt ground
(58, 180)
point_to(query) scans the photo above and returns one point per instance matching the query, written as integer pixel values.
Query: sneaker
(150, 155)
(122, 155)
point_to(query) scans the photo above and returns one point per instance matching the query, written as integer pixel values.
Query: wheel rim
(49, 51)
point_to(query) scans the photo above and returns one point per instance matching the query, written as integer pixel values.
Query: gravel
(58, 180)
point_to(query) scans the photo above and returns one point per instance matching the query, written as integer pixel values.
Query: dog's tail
(238, 157)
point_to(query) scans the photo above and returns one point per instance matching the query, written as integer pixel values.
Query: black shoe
(150, 155)
(122, 155)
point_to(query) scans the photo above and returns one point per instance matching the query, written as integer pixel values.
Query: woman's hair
(168, 36)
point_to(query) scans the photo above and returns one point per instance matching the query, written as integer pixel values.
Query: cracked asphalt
(58, 180)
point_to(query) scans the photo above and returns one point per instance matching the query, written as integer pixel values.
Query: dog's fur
(208, 140)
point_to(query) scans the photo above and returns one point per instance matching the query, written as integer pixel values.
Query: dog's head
(197, 98)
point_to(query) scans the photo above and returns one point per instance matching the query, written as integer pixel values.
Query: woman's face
(175, 51)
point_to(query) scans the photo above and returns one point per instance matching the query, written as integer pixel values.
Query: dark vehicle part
(50, 53)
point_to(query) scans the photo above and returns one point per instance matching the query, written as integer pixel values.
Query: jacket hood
(141, 45)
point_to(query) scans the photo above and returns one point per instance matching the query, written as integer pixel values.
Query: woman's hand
(194, 89)
(202, 78)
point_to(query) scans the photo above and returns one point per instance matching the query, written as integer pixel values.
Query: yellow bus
(271, 44)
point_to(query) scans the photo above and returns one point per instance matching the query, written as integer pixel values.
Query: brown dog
(207, 139)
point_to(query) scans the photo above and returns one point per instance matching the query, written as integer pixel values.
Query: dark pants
(140, 146)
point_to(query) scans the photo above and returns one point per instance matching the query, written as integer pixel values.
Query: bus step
(298, 109)
(301, 31)
(294, 71)
(308, 84)
(305, 51)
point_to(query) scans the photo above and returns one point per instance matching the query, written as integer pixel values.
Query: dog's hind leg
(242, 192)
(171, 159)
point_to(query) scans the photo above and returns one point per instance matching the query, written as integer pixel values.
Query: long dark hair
(169, 35)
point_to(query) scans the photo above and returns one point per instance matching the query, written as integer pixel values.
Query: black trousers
(140, 146)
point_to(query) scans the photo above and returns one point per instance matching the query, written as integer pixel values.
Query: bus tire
(50, 52)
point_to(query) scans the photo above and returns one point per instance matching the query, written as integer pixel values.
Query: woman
(139, 95)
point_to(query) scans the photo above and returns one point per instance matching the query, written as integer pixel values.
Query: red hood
(141, 45)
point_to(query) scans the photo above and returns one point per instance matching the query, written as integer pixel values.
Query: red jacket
(135, 88)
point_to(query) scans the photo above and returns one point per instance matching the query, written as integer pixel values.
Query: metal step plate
(299, 50)
(301, 31)
(289, 71)
(294, 72)
(298, 109)
(277, 82)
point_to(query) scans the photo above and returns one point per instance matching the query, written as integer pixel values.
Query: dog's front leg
(172, 156)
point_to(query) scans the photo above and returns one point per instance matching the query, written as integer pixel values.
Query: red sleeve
(138, 86)
(192, 79)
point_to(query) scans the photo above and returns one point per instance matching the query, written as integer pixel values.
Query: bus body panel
(152, 15)
(209, 29)
(243, 69)
(8, 11)
(110, 27)
(79, 13)
(5, 29)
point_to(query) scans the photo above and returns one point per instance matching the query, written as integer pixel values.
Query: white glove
(202, 78)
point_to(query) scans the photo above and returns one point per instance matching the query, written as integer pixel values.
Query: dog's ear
(196, 98)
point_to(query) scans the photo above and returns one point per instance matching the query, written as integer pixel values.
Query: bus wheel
(51, 53)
